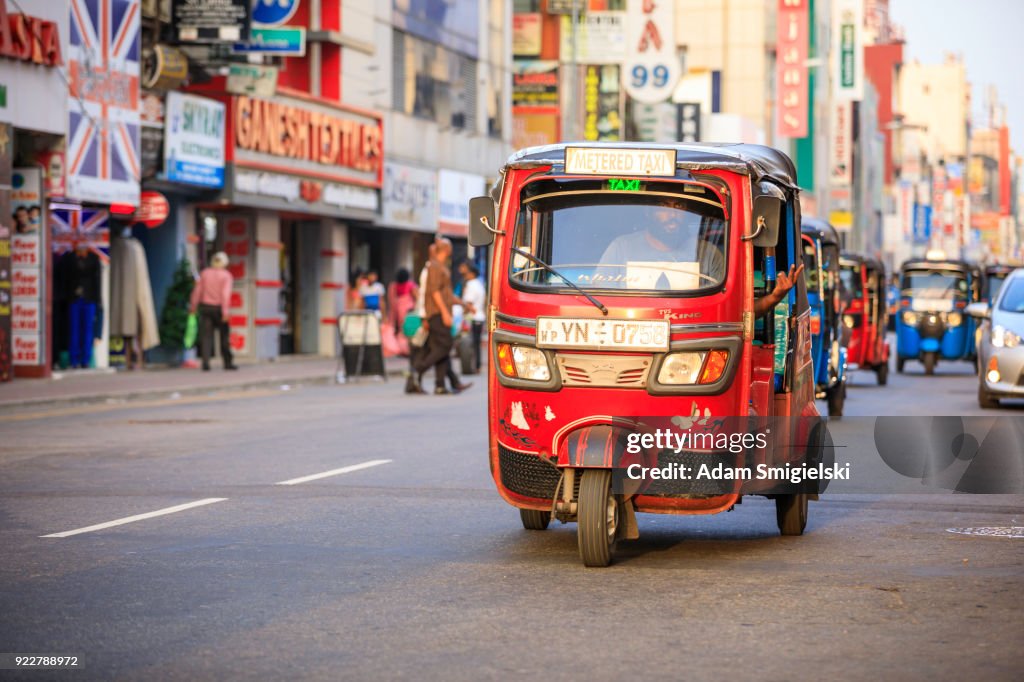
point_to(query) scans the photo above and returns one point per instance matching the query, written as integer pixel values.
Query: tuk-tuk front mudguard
(930, 345)
(601, 446)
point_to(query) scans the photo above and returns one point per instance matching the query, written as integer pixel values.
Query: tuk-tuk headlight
(954, 319)
(530, 363)
(849, 321)
(681, 368)
(910, 318)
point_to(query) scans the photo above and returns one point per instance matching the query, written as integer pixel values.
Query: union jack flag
(72, 226)
(103, 125)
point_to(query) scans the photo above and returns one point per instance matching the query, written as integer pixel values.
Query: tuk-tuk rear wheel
(598, 518)
(899, 365)
(836, 400)
(791, 513)
(535, 520)
(882, 372)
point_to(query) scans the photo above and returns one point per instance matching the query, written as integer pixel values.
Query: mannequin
(132, 313)
(81, 283)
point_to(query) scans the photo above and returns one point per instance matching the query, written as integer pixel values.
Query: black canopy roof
(821, 229)
(757, 161)
(953, 265)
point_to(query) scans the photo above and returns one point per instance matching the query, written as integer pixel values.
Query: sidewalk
(101, 385)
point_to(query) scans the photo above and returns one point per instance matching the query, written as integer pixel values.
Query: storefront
(31, 175)
(300, 173)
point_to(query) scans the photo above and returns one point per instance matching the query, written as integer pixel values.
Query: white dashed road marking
(137, 517)
(335, 472)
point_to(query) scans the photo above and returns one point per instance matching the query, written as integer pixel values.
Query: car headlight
(681, 368)
(523, 362)
(954, 319)
(910, 318)
(1004, 338)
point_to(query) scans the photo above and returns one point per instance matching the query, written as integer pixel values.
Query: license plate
(591, 334)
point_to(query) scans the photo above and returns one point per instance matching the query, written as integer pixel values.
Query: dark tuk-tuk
(931, 323)
(866, 316)
(821, 273)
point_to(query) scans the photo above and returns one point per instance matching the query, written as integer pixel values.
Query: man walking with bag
(437, 307)
(211, 296)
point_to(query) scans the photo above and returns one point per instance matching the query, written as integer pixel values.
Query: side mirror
(481, 221)
(765, 220)
(979, 310)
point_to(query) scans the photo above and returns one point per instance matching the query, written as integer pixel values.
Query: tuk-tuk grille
(526, 474)
(694, 487)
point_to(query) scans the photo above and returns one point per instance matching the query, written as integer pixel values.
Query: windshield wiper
(556, 273)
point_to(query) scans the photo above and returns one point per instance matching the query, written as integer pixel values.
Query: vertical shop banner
(848, 49)
(28, 267)
(840, 151)
(651, 67)
(6, 232)
(602, 120)
(194, 140)
(103, 108)
(792, 43)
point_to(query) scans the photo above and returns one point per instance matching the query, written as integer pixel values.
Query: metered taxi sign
(604, 161)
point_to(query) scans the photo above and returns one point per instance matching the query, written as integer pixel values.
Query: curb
(151, 393)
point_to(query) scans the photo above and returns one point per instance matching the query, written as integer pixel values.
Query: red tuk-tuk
(866, 317)
(625, 287)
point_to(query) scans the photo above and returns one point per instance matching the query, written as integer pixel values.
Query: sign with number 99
(651, 63)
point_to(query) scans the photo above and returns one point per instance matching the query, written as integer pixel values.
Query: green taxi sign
(624, 185)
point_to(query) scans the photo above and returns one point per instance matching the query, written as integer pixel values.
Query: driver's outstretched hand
(786, 282)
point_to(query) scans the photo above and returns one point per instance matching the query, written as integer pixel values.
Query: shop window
(434, 83)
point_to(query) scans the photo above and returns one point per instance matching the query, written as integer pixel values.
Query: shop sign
(52, 162)
(601, 103)
(252, 79)
(840, 165)
(600, 38)
(27, 265)
(651, 68)
(304, 194)
(454, 190)
(410, 197)
(167, 70)
(29, 38)
(202, 21)
(535, 84)
(791, 68)
(286, 41)
(273, 12)
(330, 143)
(526, 34)
(194, 140)
(151, 133)
(848, 48)
(103, 103)
(153, 209)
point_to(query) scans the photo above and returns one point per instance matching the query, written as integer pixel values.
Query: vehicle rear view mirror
(765, 221)
(979, 310)
(481, 221)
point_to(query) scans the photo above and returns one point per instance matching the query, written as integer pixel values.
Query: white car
(1000, 352)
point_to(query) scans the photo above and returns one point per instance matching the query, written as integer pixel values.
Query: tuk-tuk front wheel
(791, 513)
(899, 365)
(535, 520)
(929, 361)
(597, 519)
(836, 399)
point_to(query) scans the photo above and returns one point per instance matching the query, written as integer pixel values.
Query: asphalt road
(414, 568)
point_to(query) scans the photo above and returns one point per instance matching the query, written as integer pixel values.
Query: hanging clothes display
(132, 311)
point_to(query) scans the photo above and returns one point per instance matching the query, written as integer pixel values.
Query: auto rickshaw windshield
(657, 241)
(932, 284)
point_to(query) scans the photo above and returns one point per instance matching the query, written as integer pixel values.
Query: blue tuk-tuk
(821, 272)
(931, 324)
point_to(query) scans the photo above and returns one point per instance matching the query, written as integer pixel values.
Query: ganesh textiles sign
(308, 156)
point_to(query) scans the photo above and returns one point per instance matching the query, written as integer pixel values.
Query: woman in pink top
(211, 298)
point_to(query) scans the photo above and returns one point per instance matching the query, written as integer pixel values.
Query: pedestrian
(402, 297)
(354, 298)
(211, 297)
(437, 307)
(372, 292)
(475, 298)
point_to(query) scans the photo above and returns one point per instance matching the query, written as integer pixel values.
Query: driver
(673, 235)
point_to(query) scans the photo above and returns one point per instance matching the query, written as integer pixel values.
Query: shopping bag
(411, 324)
(191, 331)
